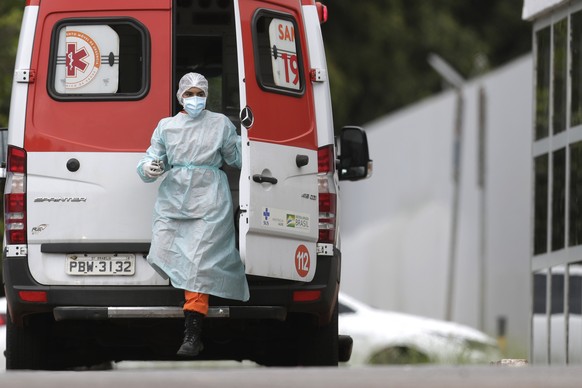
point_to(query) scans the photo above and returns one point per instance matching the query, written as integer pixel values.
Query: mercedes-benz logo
(246, 117)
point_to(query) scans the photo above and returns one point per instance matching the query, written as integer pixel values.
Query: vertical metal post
(567, 313)
(453, 78)
(549, 316)
(481, 166)
(457, 148)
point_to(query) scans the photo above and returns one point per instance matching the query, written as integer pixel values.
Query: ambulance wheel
(319, 345)
(27, 345)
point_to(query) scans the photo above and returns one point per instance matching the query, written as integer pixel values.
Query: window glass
(557, 296)
(560, 75)
(575, 289)
(278, 56)
(541, 204)
(98, 59)
(557, 292)
(81, 68)
(558, 199)
(542, 83)
(575, 203)
(576, 72)
(539, 289)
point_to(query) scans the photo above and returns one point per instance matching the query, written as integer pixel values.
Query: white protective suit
(193, 235)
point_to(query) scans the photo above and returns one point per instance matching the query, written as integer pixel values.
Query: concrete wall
(396, 226)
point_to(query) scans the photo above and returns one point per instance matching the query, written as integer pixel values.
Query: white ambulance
(91, 81)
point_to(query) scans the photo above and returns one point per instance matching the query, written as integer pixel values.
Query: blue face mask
(194, 105)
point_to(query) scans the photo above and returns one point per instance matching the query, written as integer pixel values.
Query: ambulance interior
(205, 42)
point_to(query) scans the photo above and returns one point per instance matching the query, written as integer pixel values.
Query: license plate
(100, 264)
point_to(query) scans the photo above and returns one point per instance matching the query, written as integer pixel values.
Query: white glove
(153, 169)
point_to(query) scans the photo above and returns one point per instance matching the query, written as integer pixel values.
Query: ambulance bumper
(270, 298)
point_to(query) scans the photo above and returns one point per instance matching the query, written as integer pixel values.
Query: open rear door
(278, 186)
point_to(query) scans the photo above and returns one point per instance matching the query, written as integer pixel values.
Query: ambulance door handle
(301, 160)
(264, 179)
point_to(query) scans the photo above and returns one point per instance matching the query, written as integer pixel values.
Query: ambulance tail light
(33, 296)
(306, 296)
(327, 195)
(15, 197)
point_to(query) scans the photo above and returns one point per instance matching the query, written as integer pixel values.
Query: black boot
(192, 344)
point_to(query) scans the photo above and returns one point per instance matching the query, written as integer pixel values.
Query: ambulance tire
(33, 346)
(27, 345)
(320, 345)
(305, 344)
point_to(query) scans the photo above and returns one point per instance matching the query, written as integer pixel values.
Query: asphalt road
(400, 377)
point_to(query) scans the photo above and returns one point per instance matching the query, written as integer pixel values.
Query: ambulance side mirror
(3, 151)
(354, 161)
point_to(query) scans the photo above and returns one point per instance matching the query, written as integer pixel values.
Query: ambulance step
(102, 313)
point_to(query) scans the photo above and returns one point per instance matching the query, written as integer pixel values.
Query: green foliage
(377, 49)
(10, 18)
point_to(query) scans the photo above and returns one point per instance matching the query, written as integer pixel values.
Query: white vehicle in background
(386, 337)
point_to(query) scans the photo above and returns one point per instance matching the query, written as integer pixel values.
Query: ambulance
(91, 81)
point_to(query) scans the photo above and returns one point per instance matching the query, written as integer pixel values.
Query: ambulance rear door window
(99, 59)
(278, 57)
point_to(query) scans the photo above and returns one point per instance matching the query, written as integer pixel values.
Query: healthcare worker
(193, 235)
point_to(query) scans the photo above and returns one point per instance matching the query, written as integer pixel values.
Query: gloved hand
(153, 169)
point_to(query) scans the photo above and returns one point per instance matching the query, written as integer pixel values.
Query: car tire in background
(398, 355)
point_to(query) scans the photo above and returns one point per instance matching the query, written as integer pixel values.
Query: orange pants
(196, 301)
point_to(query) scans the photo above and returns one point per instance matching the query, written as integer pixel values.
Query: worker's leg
(196, 301)
(195, 309)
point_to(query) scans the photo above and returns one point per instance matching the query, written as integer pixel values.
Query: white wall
(396, 225)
